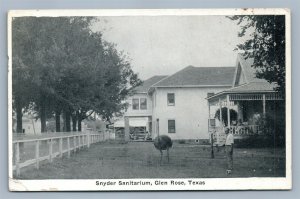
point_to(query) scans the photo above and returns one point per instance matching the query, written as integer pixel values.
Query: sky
(163, 45)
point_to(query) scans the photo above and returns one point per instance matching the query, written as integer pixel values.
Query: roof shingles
(148, 83)
(249, 71)
(253, 87)
(199, 76)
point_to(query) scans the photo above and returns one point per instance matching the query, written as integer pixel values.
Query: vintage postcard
(125, 100)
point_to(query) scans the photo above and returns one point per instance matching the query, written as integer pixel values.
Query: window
(143, 103)
(171, 126)
(135, 104)
(171, 99)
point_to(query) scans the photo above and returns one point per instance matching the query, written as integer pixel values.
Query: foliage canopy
(266, 44)
(60, 65)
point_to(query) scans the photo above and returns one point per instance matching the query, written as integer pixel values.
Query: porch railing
(246, 130)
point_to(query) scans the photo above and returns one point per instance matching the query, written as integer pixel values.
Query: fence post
(79, 142)
(68, 143)
(88, 140)
(83, 141)
(17, 158)
(212, 155)
(50, 150)
(60, 147)
(37, 154)
(74, 143)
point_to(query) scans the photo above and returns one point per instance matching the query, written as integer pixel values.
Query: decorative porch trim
(254, 96)
(246, 96)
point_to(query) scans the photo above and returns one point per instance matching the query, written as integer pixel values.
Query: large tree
(266, 44)
(68, 69)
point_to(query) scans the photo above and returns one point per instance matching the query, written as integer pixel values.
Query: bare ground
(142, 160)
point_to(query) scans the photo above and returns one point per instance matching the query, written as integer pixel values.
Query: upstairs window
(135, 104)
(143, 103)
(171, 126)
(171, 99)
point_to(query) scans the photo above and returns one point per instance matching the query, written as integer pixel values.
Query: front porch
(244, 113)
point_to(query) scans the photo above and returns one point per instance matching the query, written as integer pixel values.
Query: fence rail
(79, 141)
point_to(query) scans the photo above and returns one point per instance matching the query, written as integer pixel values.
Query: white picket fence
(79, 142)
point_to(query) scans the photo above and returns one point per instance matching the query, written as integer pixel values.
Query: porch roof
(250, 88)
(133, 122)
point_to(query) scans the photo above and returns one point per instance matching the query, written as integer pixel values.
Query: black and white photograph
(166, 99)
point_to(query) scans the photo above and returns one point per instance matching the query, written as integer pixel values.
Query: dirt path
(141, 160)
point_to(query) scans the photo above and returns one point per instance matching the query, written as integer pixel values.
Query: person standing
(229, 150)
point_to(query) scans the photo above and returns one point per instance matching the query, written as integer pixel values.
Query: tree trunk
(19, 117)
(64, 121)
(57, 121)
(74, 121)
(79, 124)
(68, 121)
(43, 114)
(19, 122)
(79, 119)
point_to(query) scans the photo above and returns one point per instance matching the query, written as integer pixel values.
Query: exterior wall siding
(190, 112)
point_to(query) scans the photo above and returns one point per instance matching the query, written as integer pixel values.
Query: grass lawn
(142, 160)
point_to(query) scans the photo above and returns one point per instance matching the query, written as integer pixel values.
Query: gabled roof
(148, 83)
(252, 85)
(248, 70)
(199, 76)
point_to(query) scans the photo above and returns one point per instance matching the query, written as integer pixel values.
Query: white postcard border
(260, 183)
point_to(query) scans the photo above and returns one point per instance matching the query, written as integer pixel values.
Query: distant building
(30, 126)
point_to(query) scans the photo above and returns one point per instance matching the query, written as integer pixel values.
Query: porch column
(208, 114)
(208, 123)
(240, 111)
(147, 125)
(264, 105)
(126, 121)
(157, 126)
(221, 120)
(228, 111)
